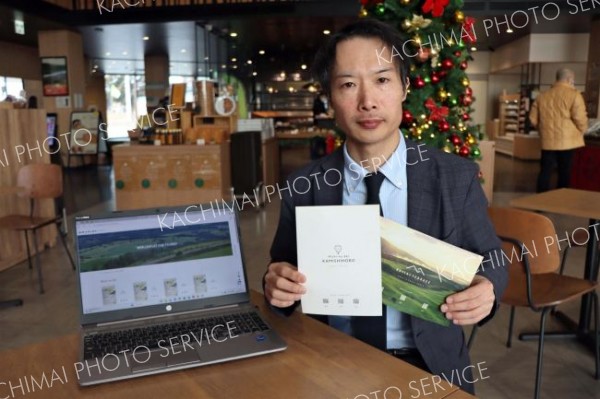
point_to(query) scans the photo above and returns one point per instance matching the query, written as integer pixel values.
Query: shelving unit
(512, 138)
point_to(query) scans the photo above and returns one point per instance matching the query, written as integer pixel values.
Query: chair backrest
(537, 234)
(40, 180)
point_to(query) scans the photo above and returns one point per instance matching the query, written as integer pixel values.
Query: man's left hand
(471, 305)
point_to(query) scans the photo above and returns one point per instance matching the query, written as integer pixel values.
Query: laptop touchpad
(182, 357)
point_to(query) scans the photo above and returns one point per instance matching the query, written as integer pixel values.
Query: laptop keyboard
(101, 344)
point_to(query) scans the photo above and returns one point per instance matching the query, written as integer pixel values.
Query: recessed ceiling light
(146, 37)
(254, 73)
(233, 34)
(234, 59)
(235, 67)
(261, 52)
(303, 66)
(326, 32)
(223, 66)
(249, 62)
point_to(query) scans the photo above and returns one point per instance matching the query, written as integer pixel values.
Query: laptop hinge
(158, 317)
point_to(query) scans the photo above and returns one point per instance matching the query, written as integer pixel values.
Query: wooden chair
(38, 181)
(533, 281)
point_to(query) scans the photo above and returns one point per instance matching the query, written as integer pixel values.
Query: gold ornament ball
(465, 82)
(407, 24)
(459, 17)
(417, 39)
(442, 94)
(447, 149)
(363, 13)
(471, 140)
(405, 2)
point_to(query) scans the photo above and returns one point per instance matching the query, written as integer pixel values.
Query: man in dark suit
(422, 187)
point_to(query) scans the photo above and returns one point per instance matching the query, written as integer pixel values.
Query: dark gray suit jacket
(445, 200)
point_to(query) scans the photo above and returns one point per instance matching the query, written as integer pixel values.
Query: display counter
(156, 176)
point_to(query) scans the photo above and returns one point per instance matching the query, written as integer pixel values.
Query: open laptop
(164, 290)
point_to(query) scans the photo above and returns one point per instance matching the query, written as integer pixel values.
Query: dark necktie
(372, 329)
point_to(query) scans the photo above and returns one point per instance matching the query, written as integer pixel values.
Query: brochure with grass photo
(419, 271)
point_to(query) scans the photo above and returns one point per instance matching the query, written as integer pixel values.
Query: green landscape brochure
(419, 271)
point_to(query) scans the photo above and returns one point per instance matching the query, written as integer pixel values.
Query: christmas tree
(438, 40)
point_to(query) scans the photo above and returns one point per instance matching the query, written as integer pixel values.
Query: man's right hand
(283, 284)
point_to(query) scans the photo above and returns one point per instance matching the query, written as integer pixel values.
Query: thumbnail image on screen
(151, 247)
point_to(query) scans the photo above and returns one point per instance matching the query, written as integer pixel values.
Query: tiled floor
(510, 372)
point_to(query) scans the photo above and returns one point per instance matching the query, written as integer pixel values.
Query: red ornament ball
(419, 82)
(465, 117)
(444, 126)
(447, 63)
(464, 151)
(457, 53)
(466, 100)
(435, 77)
(407, 117)
(455, 140)
(463, 65)
(469, 91)
(442, 74)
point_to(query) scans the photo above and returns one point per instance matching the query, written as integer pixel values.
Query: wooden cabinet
(22, 134)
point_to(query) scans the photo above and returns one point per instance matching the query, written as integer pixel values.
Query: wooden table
(579, 203)
(320, 362)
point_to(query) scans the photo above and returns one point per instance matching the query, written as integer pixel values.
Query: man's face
(366, 93)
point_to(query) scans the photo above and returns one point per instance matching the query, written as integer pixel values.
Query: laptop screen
(136, 261)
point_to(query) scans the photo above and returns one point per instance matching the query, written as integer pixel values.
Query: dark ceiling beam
(140, 14)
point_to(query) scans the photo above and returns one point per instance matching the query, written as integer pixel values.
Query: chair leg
(596, 331)
(538, 372)
(510, 327)
(563, 261)
(11, 303)
(38, 264)
(64, 243)
(472, 336)
(28, 250)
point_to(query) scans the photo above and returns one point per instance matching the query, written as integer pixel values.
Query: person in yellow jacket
(560, 117)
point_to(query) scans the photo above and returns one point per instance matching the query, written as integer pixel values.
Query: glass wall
(126, 102)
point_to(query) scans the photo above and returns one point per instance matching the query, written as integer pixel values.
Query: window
(125, 103)
(10, 87)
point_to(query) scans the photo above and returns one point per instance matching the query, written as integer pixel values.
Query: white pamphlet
(339, 252)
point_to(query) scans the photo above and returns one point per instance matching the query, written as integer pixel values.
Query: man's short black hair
(365, 28)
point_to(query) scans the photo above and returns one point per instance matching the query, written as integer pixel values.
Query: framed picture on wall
(55, 80)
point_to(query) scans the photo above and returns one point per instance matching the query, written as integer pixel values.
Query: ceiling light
(326, 32)
(234, 59)
(254, 73)
(249, 62)
(235, 67)
(146, 37)
(233, 34)
(206, 58)
(303, 66)
(261, 52)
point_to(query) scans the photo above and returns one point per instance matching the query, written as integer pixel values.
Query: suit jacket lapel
(424, 199)
(329, 193)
